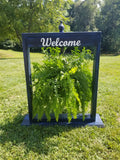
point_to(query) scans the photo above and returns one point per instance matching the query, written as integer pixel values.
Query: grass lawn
(59, 142)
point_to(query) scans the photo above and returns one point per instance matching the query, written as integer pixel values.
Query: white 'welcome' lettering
(46, 42)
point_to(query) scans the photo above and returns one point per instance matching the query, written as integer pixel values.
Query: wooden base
(63, 121)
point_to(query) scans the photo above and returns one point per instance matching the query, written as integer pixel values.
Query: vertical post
(95, 82)
(28, 78)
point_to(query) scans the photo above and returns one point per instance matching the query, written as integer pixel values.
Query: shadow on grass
(35, 138)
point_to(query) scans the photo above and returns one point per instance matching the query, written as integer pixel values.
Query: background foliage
(17, 17)
(108, 22)
(83, 15)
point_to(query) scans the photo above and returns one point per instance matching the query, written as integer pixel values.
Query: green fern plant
(61, 84)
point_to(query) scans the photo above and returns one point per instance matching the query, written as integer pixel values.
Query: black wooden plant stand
(60, 40)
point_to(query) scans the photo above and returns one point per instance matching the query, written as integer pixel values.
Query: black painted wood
(27, 66)
(63, 122)
(86, 38)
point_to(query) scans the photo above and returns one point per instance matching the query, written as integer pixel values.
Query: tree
(4, 24)
(83, 15)
(109, 23)
(17, 17)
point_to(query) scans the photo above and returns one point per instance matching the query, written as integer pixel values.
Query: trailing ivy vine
(63, 83)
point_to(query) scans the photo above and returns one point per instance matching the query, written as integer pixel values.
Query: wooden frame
(61, 39)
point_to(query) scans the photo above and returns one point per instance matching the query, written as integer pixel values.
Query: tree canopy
(83, 15)
(109, 23)
(17, 17)
(27, 16)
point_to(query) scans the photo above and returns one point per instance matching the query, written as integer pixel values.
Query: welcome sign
(47, 42)
(71, 39)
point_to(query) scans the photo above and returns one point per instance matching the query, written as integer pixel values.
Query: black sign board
(63, 40)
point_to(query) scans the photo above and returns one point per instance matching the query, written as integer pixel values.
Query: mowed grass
(57, 142)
